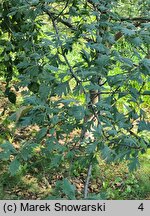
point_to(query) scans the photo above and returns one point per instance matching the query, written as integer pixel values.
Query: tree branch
(62, 10)
(54, 16)
(63, 53)
(87, 181)
(140, 19)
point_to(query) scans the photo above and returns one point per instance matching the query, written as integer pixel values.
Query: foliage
(85, 68)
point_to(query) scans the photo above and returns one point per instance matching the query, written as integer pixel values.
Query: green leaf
(51, 68)
(12, 13)
(91, 147)
(56, 161)
(103, 60)
(23, 65)
(85, 55)
(145, 66)
(133, 165)
(127, 61)
(27, 150)
(33, 70)
(77, 111)
(106, 153)
(112, 132)
(117, 79)
(128, 32)
(143, 125)
(41, 133)
(35, 56)
(6, 150)
(147, 92)
(68, 189)
(14, 167)
(62, 88)
(122, 154)
(134, 93)
(137, 41)
(35, 2)
(44, 91)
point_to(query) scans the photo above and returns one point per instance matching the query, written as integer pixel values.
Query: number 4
(141, 207)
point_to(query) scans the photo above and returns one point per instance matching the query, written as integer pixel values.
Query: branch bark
(63, 54)
(140, 19)
(87, 181)
(57, 17)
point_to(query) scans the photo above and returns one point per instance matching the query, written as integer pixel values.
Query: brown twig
(140, 19)
(62, 10)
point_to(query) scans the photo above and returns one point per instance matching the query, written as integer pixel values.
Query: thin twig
(140, 19)
(62, 10)
(87, 181)
(70, 68)
(63, 53)
(53, 16)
